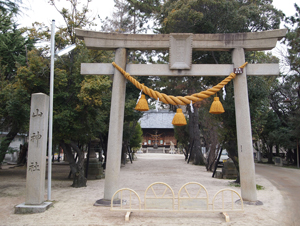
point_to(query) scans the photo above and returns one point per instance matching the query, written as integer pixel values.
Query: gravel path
(287, 181)
(74, 206)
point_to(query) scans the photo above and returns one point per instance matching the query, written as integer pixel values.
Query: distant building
(19, 139)
(157, 127)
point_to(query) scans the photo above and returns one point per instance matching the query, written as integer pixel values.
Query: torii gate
(181, 46)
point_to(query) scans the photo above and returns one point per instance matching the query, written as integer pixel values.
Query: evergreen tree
(208, 16)
(14, 100)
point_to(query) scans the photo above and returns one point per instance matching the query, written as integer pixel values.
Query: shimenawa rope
(178, 100)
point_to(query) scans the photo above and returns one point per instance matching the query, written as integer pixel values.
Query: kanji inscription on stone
(34, 166)
(38, 113)
(36, 137)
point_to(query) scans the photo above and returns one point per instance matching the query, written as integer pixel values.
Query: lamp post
(60, 53)
(51, 109)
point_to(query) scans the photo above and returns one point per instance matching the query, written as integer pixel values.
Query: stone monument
(36, 161)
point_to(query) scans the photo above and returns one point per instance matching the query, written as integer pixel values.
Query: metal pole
(51, 110)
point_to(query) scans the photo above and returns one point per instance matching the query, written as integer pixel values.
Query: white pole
(51, 110)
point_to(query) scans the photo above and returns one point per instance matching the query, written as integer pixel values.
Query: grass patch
(237, 185)
(260, 187)
(233, 184)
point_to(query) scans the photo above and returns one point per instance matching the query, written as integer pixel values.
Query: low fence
(192, 198)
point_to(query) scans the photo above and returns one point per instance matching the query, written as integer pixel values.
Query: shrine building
(157, 128)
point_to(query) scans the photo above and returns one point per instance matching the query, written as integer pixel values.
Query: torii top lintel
(251, 41)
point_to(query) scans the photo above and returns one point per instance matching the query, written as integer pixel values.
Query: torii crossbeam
(181, 47)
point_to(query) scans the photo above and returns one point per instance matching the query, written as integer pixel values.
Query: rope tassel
(216, 107)
(179, 119)
(142, 104)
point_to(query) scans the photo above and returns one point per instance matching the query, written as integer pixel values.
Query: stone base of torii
(180, 47)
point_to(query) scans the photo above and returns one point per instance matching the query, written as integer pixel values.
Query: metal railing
(192, 198)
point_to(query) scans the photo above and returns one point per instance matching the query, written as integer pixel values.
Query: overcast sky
(42, 11)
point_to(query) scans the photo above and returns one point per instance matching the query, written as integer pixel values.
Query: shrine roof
(157, 120)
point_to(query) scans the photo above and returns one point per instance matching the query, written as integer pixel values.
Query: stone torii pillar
(115, 133)
(181, 46)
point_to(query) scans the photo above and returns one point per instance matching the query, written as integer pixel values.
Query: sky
(42, 11)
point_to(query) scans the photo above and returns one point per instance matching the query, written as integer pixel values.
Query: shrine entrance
(180, 46)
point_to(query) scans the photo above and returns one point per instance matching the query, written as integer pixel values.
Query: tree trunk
(270, 154)
(23, 154)
(194, 131)
(295, 156)
(232, 151)
(211, 157)
(277, 150)
(186, 154)
(77, 168)
(6, 142)
(103, 141)
(124, 153)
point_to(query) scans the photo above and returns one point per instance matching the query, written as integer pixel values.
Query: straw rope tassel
(178, 100)
(179, 119)
(142, 104)
(216, 107)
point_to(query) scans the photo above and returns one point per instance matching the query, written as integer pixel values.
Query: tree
(213, 17)
(292, 39)
(78, 114)
(130, 16)
(210, 127)
(136, 139)
(14, 102)
(9, 6)
(78, 99)
(207, 16)
(284, 95)
(181, 134)
(121, 21)
(142, 12)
